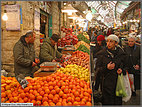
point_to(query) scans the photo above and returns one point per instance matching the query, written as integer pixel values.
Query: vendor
(25, 62)
(48, 50)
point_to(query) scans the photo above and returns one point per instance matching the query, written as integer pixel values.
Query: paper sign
(13, 13)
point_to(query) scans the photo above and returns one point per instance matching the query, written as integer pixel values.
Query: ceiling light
(4, 17)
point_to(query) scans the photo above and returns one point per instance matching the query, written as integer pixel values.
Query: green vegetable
(83, 48)
(81, 37)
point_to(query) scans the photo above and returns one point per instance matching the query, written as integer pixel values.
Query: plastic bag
(127, 87)
(131, 78)
(120, 88)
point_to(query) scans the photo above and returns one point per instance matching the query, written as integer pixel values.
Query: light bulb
(69, 13)
(89, 16)
(4, 17)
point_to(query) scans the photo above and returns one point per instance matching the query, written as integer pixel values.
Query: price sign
(21, 79)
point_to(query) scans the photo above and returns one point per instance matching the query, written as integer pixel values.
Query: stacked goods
(76, 71)
(57, 89)
(83, 48)
(86, 35)
(79, 58)
(81, 37)
(83, 43)
(69, 39)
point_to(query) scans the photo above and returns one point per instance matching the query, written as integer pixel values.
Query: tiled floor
(135, 100)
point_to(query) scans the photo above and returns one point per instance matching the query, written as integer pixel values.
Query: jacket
(47, 51)
(110, 76)
(132, 57)
(24, 55)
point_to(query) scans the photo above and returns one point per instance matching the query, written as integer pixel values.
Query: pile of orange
(55, 90)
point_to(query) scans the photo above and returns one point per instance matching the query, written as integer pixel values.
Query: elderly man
(133, 61)
(48, 51)
(110, 62)
(25, 62)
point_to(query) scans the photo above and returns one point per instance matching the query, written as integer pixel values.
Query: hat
(55, 37)
(100, 38)
(113, 37)
(132, 34)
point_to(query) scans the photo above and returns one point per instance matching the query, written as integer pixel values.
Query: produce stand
(48, 73)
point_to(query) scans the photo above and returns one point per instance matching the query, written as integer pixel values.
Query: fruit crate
(46, 68)
(68, 49)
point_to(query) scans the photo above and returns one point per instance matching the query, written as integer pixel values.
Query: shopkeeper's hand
(53, 60)
(34, 64)
(119, 71)
(137, 67)
(110, 66)
(37, 60)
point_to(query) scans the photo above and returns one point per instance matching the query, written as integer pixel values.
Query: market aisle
(135, 100)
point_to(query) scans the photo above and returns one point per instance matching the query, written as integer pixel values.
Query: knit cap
(100, 38)
(113, 37)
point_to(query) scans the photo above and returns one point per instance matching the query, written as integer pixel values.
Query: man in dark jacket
(133, 61)
(110, 62)
(48, 51)
(25, 62)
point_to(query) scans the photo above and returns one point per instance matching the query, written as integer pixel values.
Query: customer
(110, 62)
(133, 61)
(25, 62)
(48, 53)
(101, 44)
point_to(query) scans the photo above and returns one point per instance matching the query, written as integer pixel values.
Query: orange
(3, 94)
(63, 87)
(45, 95)
(61, 93)
(69, 104)
(64, 96)
(11, 99)
(52, 104)
(50, 96)
(58, 104)
(45, 99)
(39, 90)
(50, 88)
(57, 90)
(2, 99)
(38, 103)
(21, 101)
(26, 89)
(2, 89)
(69, 99)
(88, 104)
(56, 95)
(77, 99)
(41, 93)
(53, 92)
(75, 103)
(45, 103)
(55, 99)
(22, 95)
(39, 98)
(15, 99)
(32, 97)
(82, 103)
(66, 91)
(76, 94)
(47, 91)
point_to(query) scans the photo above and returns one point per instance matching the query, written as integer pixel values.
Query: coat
(132, 57)
(47, 51)
(24, 55)
(110, 76)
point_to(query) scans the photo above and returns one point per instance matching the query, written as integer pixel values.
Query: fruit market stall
(69, 85)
